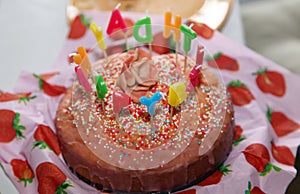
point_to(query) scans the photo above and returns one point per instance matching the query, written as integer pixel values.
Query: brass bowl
(210, 12)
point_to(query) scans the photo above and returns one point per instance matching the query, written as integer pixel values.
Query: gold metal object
(210, 12)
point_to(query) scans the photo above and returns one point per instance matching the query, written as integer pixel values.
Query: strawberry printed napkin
(265, 98)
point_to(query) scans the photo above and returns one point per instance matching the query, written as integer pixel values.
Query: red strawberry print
(21, 97)
(49, 89)
(202, 29)
(9, 126)
(216, 177)
(281, 124)
(254, 190)
(258, 156)
(270, 82)
(190, 191)
(240, 93)
(45, 138)
(79, 27)
(51, 179)
(238, 135)
(119, 35)
(223, 62)
(22, 171)
(283, 154)
(160, 44)
(46, 76)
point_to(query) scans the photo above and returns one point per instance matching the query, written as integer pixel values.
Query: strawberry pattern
(264, 95)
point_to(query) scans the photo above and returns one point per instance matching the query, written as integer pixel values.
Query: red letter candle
(116, 21)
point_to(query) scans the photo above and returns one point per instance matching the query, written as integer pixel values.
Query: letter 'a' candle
(116, 22)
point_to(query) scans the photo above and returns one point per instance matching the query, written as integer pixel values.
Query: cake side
(190, 159)
(166, 178)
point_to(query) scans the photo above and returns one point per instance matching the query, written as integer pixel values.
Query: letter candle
(83, 79)
(189, 35)
(177, 94)
(101, 89)
(82, 59)
(148, 38)
(194, 74)
(175, 27)
(117, 22)
(97, 30)
(150, 104)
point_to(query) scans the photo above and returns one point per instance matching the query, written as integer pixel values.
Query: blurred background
(32, 32)
(272, 28)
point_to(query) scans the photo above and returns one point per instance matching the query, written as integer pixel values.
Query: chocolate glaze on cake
(105, 152)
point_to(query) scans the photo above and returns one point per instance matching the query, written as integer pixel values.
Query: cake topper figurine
(177, 94)
(189, 35)
(97, 30)
(175, 27)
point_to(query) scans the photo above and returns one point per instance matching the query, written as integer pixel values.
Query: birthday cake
(150, 124)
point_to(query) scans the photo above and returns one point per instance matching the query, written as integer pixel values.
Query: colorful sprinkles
(132, 139)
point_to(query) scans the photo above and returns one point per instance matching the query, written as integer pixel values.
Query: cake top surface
(126, 133)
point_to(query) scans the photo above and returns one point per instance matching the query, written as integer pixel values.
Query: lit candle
(189, 35)
(83, 79)
(148, 38)
(175, 27)
(97, 30)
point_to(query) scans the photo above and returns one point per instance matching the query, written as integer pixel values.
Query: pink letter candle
(82, 79)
